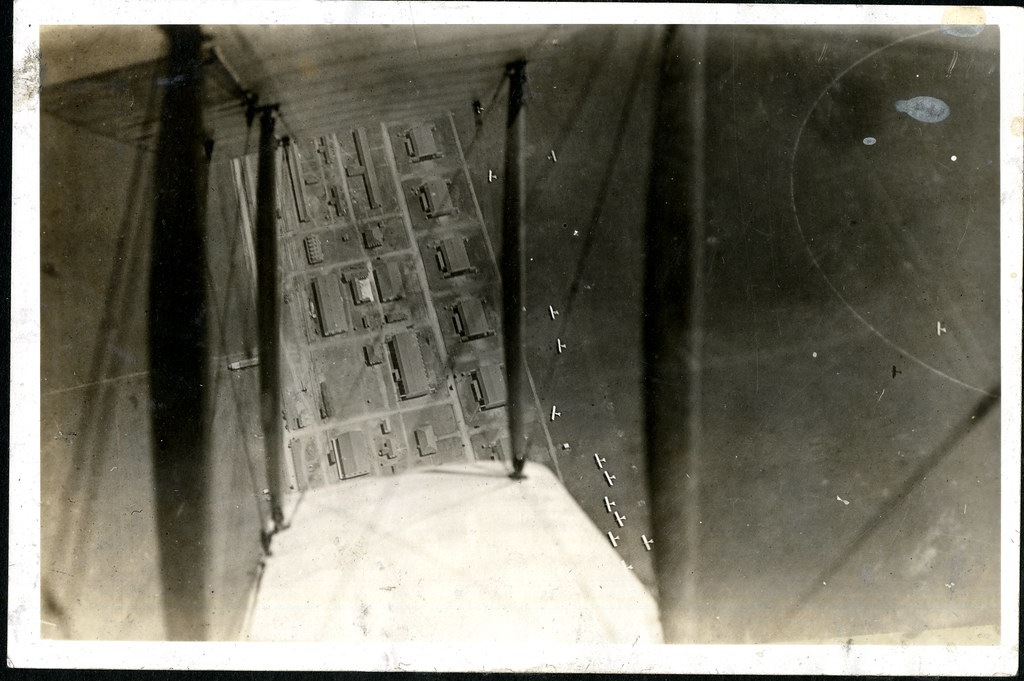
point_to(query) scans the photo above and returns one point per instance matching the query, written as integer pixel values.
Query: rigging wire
(482, 113)
(578, 106)
(220, 372)
(250, 100)
(483, 110)
(83, 475)
(594, 222)
(981, 409)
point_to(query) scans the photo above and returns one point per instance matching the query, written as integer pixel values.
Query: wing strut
(513, 265)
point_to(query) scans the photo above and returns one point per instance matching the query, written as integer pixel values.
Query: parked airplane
(619, 518)
(647, 542)
(609, 478)
(599, 460)
(554, 413)
(552, 311)
(561, 346)
(608, 504)
(615, 540)
(553, 157)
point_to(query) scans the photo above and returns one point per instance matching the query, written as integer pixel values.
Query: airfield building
(452, 257)
(435, 199)
(408, 370)
(489, 388)
(426, 441)
(362, 289)
(330, 307)
(389, 281)
(470, 320)
(314, 249)
(421, 145)
(349, 454)
(373, 237)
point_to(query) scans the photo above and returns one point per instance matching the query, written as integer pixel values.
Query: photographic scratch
(952, 63)
(880, 396)
(416, 40)
(967, 225)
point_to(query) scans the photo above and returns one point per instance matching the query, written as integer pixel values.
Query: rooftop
(408, 364)
(471, 320)
(455, 259)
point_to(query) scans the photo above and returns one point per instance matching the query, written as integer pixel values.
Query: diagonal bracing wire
(594, 222)
(980, 409)
(84, 470)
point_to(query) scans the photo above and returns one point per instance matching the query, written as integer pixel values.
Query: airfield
(851, 315)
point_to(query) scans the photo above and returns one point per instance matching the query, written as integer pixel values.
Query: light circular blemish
(1017, 126)
(963, 22)
(814, 354)
(924, 109)
(808, 240)
(953, 157)
(963, 30)
(869, 141)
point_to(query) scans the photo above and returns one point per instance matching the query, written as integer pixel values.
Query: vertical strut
(513, 264)
(268, 313)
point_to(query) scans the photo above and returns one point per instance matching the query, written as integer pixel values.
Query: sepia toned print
(540, 334)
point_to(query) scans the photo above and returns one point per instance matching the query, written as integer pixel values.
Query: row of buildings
(386, 284)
